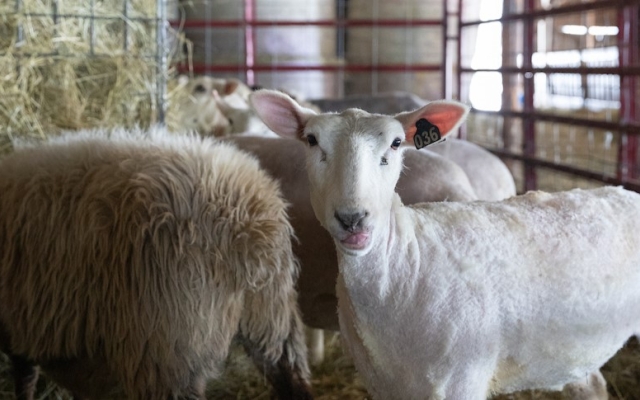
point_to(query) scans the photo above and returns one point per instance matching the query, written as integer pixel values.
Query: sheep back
(136, 250)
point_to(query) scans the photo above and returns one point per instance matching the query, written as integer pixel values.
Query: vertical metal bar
(92, 28)
(341, 44)
(627, 167)
(19, 33)
(507, 79)
(375, 31)
(54, 17)
(161, 59)
(445, 31)
(529, 143)
(341, 15)
(249, 44)
(208, 41)
(249, 40)
(125, 29)
(459, 52)
(462, 132)
(19, 29)
(54, 12)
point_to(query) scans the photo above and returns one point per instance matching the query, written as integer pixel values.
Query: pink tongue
(356, 239)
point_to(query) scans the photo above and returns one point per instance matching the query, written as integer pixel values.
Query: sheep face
(354, 159)
(353, 163)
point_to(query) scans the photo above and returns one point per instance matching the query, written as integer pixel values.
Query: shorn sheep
(283, 159)
(129, 261)
(428, 177)
(464, 300)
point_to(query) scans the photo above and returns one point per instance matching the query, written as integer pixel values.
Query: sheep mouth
(356, 241)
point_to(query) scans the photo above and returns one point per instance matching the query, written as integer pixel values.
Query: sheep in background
(129, 261)
(489, 176)
(220, 107)
(226, 87)
(242, 119)
(198, 110)
(464, 300)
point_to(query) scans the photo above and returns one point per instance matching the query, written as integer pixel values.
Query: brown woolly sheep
(130, 260)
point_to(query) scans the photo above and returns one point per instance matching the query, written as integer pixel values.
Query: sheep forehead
(208, 82)
(355, 126)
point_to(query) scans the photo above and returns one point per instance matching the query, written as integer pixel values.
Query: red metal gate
(554, 90)
(570, 73)
(343, 20)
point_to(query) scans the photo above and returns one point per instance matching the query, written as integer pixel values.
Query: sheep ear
(280, 113)
(230, 86)
(446, 115)
(183, 80)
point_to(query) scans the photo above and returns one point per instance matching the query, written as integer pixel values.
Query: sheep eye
(230, 121)
(199, 89)
(383, 161)
(311, 139)
(396, 143)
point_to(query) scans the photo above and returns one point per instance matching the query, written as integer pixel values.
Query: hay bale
(73, 65)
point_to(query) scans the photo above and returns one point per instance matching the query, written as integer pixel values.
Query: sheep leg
(25, 377)
(315, 343)
(471, 383)
(287, 379)
(592, 387)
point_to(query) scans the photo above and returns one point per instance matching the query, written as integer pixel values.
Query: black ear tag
(426, 134)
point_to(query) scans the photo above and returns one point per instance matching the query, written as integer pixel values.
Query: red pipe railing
(249, 41)
(399, 23)
(201, 68)
(568, 169)
(627, 171)
(249, 23)
(628, 70)
(528, 123)
(532, 13)
(632, 128)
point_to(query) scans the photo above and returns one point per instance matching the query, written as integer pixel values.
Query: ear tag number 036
(426, 133)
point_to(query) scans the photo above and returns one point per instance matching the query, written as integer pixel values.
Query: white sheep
(427, 177)
(198, 110)
(489, 176)
(129, 262)
(464, 300)
(242, 119)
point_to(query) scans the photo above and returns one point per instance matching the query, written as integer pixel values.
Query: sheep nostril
(351, 221)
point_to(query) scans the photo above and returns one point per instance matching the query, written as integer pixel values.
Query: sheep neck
(386, 273)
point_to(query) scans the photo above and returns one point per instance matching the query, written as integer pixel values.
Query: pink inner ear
(230, 87)
(278, 114)
(443, 115)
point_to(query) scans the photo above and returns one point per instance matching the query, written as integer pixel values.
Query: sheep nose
(351, 221)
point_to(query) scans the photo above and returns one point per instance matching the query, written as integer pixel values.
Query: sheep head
(354, 159)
